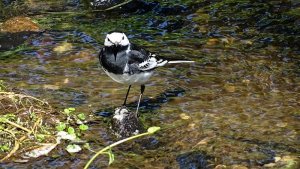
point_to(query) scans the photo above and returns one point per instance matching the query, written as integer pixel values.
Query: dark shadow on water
(147, 105)
(9, 41)
(270, 144)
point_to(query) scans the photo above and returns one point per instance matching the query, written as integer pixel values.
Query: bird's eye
(123, 38)
(109, 39)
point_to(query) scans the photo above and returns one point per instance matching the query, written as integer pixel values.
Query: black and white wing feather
(151, 63)
(146, 61)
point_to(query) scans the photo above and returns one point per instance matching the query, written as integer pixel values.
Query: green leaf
(72, 109)
(9, 116)
(87, 146)
(152, 130)
(61, 126)
(81, 116)
(69, 110)
(71, 130)
(32, 115)
(66, 111)
(111, 157)
(40, 137)
(83, 127)
(73, 148)
(4, 148)
(3, 119)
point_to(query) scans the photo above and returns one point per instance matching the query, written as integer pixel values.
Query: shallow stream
(238, 105)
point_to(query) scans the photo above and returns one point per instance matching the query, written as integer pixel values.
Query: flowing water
(237, 105)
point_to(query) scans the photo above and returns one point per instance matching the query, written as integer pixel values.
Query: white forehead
(116, 36)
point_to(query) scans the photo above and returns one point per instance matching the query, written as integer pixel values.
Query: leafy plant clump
(72, 128)
(73, 119)
(30, 128)
(25, 121)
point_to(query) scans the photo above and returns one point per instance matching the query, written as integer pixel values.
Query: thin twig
(21, 96)
(113, 7)
(97, 10)
(34, 128)
(17, 125)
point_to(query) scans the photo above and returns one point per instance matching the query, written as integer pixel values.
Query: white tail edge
(181, 61)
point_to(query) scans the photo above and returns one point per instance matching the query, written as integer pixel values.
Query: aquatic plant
(107, 150)
(23, 118)
(28, 124)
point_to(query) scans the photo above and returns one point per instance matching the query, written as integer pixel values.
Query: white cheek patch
(107, 42)
(124, 41)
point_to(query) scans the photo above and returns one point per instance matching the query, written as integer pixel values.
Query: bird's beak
(116, 49)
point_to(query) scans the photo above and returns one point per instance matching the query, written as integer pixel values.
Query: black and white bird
(129, 64)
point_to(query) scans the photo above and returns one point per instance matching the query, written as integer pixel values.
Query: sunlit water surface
(230, 106)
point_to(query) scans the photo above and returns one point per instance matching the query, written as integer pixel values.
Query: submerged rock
(20, 24)
(125, 123)
(15, 31)
(192, 160)
(9, 41)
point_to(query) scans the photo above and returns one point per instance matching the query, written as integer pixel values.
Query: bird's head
(116, 41)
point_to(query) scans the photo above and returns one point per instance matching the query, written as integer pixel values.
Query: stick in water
(181, 61)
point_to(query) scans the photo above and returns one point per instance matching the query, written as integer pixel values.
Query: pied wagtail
(129, 64)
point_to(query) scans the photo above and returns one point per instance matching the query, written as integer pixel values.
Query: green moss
(12, 54)
(294, 12)
(202, 16)
(225, 3)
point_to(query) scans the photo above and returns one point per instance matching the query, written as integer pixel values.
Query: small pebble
(220, 166)
(269, 165)
(184, 116)
(277, 159)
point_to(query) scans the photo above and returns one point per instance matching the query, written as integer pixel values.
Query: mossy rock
(19, 24)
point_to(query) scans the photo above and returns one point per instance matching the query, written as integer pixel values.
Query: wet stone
(150, 143)
(173, 10)
(139, 7)
(125, 123)
(193, 160)
(171, 25)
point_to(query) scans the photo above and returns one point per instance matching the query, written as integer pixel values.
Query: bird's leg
(124, 104)
(141, 95)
